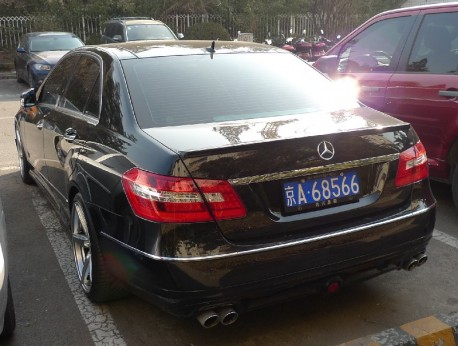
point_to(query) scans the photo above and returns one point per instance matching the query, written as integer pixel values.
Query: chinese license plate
(320, 192)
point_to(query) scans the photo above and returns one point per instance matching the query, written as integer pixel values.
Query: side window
(107, 31)
(118, 30)
(83, 91)
(436, 45)
(57, 81)
(23, 44)
(372, 49)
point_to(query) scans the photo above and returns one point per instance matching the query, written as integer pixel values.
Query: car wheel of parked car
(9, 323)
(96, 282)
(455, 186)
(24, 165)
(19, 79)
(30, 79)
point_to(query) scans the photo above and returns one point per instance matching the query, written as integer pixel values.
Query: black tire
(30, 79)
(455, 186)
(97, 283)
(24, 165)
(9, 324)
(19, 79)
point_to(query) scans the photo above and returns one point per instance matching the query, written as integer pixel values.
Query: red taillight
(413, 165)
(174, 199)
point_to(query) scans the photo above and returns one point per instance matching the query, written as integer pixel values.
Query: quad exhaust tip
(422, 258)
(415, 261)
(227, 316)
(210, 318)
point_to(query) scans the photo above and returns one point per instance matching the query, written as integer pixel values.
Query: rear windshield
(51, 43)
(149, 32)
(183, 90)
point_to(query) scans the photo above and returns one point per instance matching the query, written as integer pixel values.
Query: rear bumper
(256, 277)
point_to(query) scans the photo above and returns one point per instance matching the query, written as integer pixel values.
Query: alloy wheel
(81, 246)
(20, 154)
(30, 79)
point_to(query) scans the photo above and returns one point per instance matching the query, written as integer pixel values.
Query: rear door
(66, 128)
(424, 91)
(372, 54)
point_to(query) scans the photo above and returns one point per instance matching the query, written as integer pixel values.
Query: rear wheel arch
(71, 196)
(452, 158)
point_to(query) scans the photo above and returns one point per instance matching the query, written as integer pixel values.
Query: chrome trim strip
(313, 170)
(271, 247)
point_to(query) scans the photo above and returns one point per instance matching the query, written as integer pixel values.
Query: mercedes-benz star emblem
(326, 150)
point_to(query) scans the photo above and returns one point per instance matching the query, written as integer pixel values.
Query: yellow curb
(430, 331)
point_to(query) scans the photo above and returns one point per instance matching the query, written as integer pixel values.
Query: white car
(7, 314)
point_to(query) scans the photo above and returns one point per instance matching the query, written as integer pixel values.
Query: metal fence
(89, 28)
(12, 28)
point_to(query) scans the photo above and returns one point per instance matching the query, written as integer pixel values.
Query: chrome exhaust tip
(411, 264)
(208, 319)
(227, 316)
(421, 258)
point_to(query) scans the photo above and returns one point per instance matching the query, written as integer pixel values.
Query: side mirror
(117, 38)
(327, 64)
(180, 36)
(20, 50)
(28, 98)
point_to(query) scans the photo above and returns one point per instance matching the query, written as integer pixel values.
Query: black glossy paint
(188, 267)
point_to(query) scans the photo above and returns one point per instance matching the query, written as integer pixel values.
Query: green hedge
(207, 31)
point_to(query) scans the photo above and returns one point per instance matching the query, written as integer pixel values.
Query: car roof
(420, 7)
(135, 20)
(160, 48)
(49, 33)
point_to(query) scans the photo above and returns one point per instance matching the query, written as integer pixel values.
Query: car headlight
(42, 67)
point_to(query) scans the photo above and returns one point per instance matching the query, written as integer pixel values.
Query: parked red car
(406, 63)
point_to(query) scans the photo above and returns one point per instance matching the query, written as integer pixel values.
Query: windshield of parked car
(149, 32)
(182, 90)
(50, 43)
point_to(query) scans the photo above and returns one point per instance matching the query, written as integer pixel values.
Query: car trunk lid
(280, 166)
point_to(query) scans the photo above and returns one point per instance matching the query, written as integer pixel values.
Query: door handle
(369, 89)
(70, 135)
(448, 93)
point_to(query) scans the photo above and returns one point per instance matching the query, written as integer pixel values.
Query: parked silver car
(7, 314)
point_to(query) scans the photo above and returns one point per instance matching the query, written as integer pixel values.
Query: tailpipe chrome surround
(227, 316)
(208, 319)
(421, 258)
(411, 264)
(415, 261)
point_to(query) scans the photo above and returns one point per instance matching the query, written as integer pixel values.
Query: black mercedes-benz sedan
(215, 178)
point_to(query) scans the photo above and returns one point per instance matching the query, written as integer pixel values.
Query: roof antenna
(212, 49)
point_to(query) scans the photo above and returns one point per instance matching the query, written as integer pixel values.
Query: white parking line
(98, 319)
(9, 168)
(445, 238)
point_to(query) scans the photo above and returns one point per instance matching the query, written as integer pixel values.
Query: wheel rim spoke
(87, 270)
(81, 247)
(20, 153)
